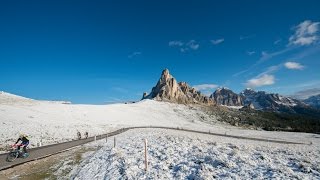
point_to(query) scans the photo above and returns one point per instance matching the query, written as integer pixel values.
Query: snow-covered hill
(52, 122)
(172, 154)
(7, 98)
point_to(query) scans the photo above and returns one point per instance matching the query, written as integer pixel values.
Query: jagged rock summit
(224, 96)
(167, 89)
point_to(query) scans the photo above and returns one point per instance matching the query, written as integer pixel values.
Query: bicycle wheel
(12, 156)
(25, 155)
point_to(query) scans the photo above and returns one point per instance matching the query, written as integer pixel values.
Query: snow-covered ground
(52, 122)
(181, 155)
(172, 154)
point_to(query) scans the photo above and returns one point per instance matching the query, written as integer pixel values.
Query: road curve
(46, 151)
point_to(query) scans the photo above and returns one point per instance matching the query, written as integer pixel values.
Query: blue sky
(108, 51)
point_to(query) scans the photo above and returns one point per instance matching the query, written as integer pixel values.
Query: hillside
(171, 154)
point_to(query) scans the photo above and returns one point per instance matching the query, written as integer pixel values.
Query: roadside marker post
(146, 154)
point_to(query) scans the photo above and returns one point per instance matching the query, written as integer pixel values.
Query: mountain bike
(16, 153)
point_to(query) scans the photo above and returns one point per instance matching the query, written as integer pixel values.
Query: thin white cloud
(192, 44)
(293, 65)
(277, 41)
(250, 53)
(132, 55)
(176, 43)
(306, 33)
(263, 80)
(217, 41)
(306, 93)
(184, 47)
(184, 50)
(205, 87)
(241, 72)
(264, 57)
(306, 52)
(291, 90)
(271, 69)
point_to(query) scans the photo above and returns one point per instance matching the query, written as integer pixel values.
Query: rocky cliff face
(224, 96)
(167, 89)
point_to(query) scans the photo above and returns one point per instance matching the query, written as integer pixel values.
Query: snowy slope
(7, 98)
(52, 122)
(180, 155)
(56, 122)
(172, 154)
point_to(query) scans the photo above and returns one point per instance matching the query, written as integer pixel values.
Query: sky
(100, 52)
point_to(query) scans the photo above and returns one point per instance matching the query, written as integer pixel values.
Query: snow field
(181, 155)
(52, 122)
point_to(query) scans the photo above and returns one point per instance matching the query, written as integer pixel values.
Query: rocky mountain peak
(224, 96)
(165, 73)
(248, 91)
(167, 89)
(165, 76)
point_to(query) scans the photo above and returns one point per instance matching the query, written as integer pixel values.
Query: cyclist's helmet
(22, 135)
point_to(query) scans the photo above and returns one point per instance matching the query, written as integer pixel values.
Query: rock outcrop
(224, 96)
(167, 89)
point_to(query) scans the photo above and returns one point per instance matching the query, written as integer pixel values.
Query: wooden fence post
(114, 142)
(41, 140)
(146, 154)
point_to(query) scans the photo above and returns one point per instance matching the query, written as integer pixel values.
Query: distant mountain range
(313, 101)
(168, 89)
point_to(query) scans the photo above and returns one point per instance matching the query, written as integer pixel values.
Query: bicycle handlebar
(17, 145)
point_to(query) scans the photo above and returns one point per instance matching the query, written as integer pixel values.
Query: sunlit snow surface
(181, 155)
(172, 155)
(53, 122)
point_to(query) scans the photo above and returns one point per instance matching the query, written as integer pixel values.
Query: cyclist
(24, 142)
(79, 135)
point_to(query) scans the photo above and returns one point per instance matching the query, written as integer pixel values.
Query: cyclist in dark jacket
(25, 142)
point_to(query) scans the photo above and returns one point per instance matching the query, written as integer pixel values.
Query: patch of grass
(50, 168)
(39, 175)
